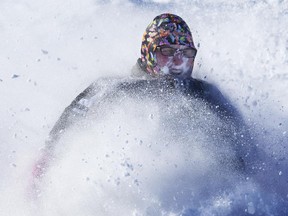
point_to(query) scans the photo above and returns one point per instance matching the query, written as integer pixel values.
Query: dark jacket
(139, 85)
(142, 84)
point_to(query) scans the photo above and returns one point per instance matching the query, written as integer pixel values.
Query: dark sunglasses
(169, 51)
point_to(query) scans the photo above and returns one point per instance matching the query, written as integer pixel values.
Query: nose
(178, 58)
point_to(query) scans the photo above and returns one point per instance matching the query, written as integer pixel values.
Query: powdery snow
(51, 50)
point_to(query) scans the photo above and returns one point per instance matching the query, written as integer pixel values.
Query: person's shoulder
(203, 85)
(206, 88)
(109, 86)
(97, 88)
(195, 87)
(213, 96)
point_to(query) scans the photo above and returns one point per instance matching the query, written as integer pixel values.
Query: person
(167, 59)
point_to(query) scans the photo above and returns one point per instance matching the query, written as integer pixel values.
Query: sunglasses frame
(176, 51)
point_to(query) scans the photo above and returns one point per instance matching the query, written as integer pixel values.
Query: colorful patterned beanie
(165, 29)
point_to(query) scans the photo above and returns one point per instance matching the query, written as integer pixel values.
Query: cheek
(186, 67)
(189, 63)
(162, 60)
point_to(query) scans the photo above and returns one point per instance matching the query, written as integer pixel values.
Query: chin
(182, 75)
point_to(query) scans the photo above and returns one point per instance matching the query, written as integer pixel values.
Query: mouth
(176, 71)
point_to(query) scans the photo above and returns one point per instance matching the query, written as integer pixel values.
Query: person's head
(167, 47)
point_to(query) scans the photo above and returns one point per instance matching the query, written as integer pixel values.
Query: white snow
(51, 50)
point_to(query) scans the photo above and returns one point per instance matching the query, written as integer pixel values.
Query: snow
(51, 50)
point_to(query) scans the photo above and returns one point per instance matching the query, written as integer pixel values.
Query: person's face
(177, 64)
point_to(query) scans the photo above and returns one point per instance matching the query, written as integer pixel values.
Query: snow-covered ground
(51, 50)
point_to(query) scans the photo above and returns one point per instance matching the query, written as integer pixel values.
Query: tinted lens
(167, 51)
(189, 53)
